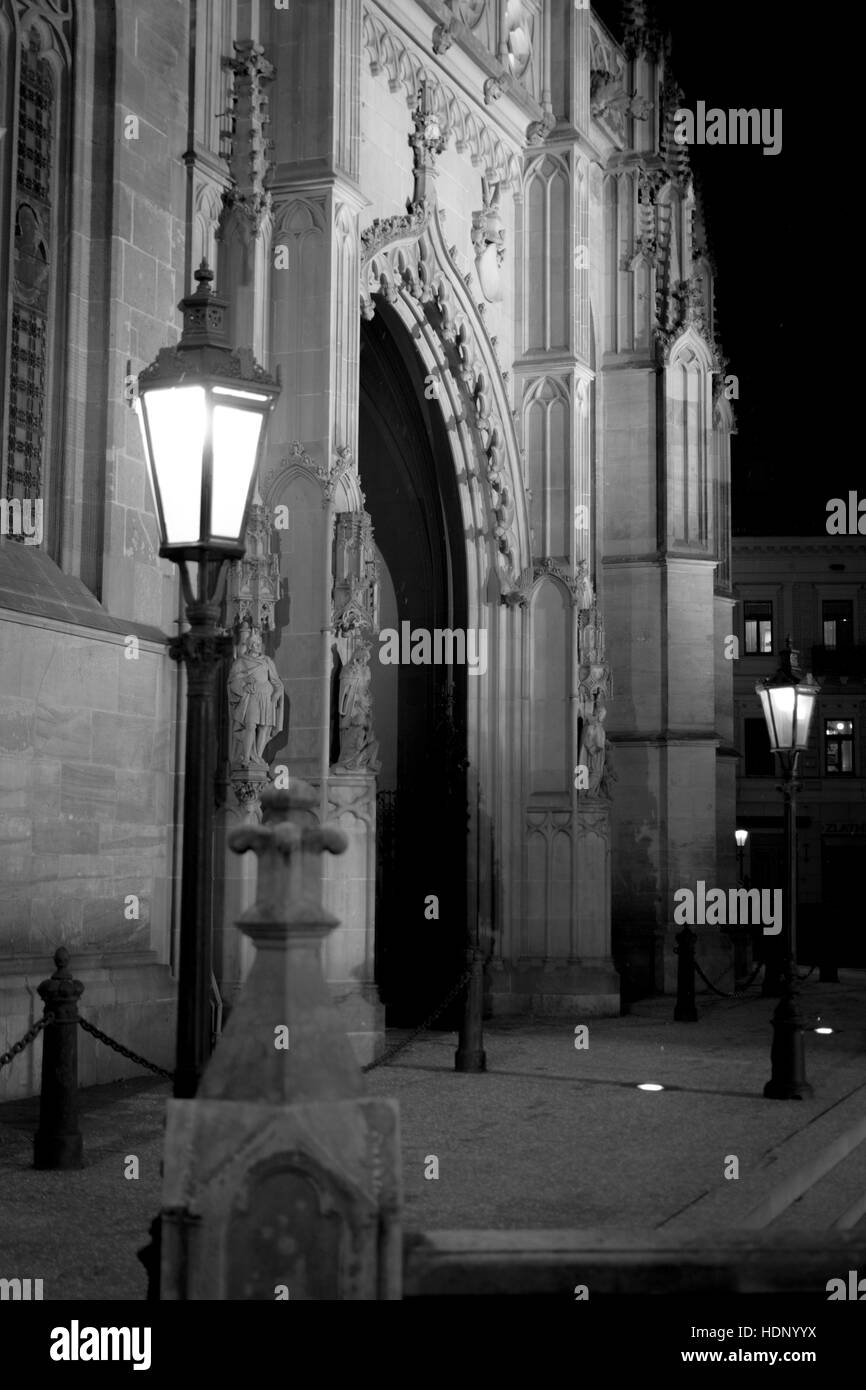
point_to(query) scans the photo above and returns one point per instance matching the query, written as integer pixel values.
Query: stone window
(758, 625)
(839, 747)
(34, 62)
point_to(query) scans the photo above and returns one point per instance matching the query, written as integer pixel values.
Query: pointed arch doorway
(407, 475)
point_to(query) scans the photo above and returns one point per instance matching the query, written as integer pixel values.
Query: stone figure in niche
(592, 748)
(256, 697)
(585, 595)
(358, 747)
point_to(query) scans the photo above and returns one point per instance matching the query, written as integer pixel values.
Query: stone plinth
(281, 1177)
(268, 1202)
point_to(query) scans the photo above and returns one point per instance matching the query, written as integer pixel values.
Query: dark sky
(763, 215)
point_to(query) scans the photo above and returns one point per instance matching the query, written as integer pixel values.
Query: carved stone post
(282, 1178)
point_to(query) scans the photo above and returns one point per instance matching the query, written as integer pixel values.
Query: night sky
(762, 214)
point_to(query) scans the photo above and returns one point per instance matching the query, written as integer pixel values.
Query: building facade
(813, 591)
(489, 551)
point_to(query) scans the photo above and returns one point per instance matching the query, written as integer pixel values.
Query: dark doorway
(841, 900)
(407, 475)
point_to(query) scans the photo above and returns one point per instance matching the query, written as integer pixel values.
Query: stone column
(315, 341)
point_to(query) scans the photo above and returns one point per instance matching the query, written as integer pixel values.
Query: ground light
(650, 1086)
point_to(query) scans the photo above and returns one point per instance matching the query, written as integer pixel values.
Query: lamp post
(741, 836)
(741, 934)
(788, 701)
(202, 410)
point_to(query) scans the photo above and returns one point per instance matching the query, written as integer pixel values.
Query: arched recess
(412, 496)
(547, 429)
(547, 247)
(551, 737)
(409, 276)
(688, 423)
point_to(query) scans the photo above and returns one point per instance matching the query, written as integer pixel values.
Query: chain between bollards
(22, 1043)
(398, 1047)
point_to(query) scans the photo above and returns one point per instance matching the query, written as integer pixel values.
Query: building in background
(813, 589)
(468, 242)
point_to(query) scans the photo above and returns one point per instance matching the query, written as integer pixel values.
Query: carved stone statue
(585, 595)
(592, 749)
(256, 697)
(358, 747)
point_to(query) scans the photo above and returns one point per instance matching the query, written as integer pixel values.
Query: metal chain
(6, 1057)
(398, 1047)
(737, 993)
(124, 1051)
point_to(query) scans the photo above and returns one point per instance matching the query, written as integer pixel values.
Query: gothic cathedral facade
(488, 558)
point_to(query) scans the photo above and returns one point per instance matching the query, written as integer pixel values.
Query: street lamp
(202, 410)
(741, 836)
(788, 701)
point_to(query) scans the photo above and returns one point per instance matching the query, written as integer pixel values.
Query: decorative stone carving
(254, 581)
(389, 53)
(593, 675)
(488, 238)
(358, 747)
(427, 141)
(640, 35)
(610, 102)
(583, 586)
(538, 131)
(256, 697)
(443, 37)
(388, 231)
(356, 576)
(592, 749)
(493, 89)
(248, 157)
(328, 474)
(519, 596)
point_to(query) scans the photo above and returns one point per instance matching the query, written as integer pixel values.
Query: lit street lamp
(788, 701)
(202, 410)
(741, 836)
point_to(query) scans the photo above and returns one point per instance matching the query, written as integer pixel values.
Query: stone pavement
(550, 1136)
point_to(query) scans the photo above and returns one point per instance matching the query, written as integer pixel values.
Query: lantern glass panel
(782, 700)
(806, 702)
(177, 420)
(235, 449)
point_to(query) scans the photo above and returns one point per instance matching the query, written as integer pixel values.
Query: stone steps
(820, 1169)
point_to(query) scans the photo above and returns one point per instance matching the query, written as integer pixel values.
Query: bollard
(470, 1054)
(684, 1010)
(788, 1052)
(58, 1142)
